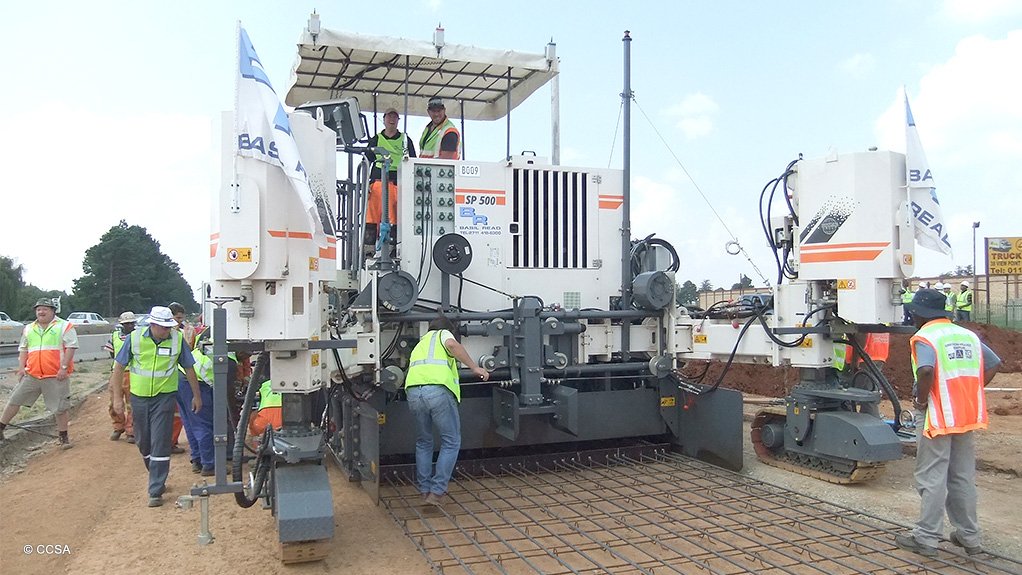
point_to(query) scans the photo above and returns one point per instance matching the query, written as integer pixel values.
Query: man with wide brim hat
(951, 366)
(153, 356)
(45, 361)
(121, 422)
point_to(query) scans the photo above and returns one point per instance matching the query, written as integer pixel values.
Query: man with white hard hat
(963, 305)
(950, 299)
(153, 356)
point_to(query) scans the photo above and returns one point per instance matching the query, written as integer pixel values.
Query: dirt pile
(777, 382)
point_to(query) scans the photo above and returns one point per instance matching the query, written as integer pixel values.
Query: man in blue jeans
(433, 396)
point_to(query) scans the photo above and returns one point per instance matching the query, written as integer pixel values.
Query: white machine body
(263, 252)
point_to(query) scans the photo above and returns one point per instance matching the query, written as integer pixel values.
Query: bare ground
(92, 499)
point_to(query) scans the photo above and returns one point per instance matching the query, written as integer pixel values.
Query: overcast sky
(109, 109)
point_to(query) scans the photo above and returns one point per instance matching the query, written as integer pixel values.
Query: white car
(6, 321)
(87, 318)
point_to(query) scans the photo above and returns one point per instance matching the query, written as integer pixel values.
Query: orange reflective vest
(429, 143)
(46, 348)
(957, 402)
(878, 346)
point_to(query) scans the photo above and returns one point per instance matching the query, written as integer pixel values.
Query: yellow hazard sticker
(906, 259)
(795, 410)
(314, 264)
(315, 359)
(700, 338)
(807, 342)
(668, 401)
(845, 284)
(239, 254)
(381, 419)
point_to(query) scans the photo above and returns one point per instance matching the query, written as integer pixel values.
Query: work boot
(970, 549)
(156, 501)
(196, 466)
(63, 440)
(116, 435)
(909, 543)
(208, 472)
(131, 439)
(435, 500)
(176, 449)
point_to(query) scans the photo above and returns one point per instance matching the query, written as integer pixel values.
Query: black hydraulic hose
(878, 377)
(242, 431)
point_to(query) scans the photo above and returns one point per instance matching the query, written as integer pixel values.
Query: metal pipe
(509, 112)
(626, 211)
(462, 139)
(555, 107)
(412, 317)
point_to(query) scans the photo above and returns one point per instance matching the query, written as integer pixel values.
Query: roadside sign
(1004, 256)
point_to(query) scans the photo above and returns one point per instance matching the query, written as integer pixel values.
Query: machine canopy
(334, 65)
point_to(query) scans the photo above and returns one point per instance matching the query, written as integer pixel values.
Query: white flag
(263, 131)
(930, 225)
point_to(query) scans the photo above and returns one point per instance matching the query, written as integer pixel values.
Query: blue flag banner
(263, 130)
(930, 225)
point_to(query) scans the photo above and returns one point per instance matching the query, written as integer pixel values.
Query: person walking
(152, 356)
(46, 355)
(396, 145)
(440, 138)
(434, 393)
(951, 367)
(121, 422)
(963, 306)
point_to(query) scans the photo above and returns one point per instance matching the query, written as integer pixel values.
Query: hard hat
(45, 301)
(938, 286)
(924, 285)
(126, 317)
(964, 284)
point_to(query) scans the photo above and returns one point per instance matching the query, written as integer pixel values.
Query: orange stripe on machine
(475, 195)
(828, 247)
(610, 202)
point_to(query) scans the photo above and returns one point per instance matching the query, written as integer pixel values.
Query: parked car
(6, 321)
(756, 301)
(87, 318)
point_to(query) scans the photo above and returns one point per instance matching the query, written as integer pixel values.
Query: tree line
(125, 271)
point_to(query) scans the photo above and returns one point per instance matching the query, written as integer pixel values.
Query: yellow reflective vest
(430, 364)
(153, 366)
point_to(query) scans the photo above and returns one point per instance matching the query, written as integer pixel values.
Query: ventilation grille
(550, 212)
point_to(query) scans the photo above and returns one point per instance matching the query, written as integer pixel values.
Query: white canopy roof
(334, 65)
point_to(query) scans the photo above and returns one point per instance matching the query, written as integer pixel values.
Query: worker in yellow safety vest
(397, 146)
(963, 307)
(951, 366)
(121, 422)
(45, 361)
(434, 392)
(153, 356)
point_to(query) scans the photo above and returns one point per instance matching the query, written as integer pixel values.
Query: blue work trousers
(198, 426)
(153, 418)
(435, 406)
